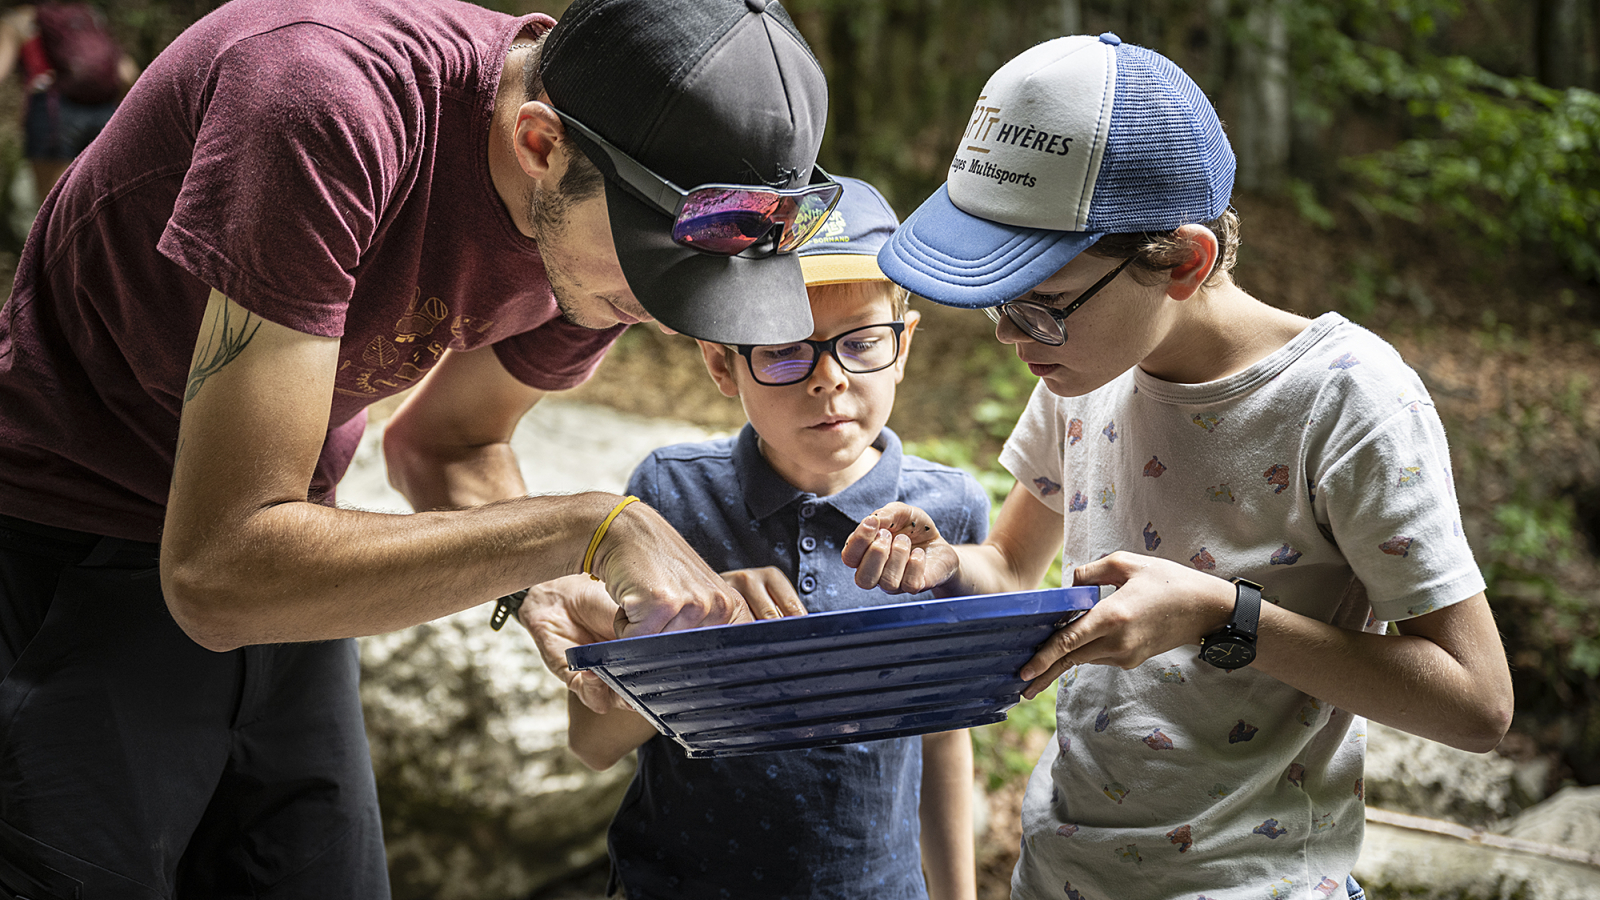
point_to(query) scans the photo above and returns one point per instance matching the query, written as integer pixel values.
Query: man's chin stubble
(548, 220)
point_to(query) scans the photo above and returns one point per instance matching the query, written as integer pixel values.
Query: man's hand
(767, 592)
(899, 549)
(657, 580)
(1159, 605)
(570, 612)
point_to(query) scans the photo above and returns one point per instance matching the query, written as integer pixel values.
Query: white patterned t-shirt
(1324, 462)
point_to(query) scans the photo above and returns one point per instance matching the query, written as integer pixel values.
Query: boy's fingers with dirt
(571, 612)
(899, 549)
(767, 592)
(657, 580)
(1158, 605)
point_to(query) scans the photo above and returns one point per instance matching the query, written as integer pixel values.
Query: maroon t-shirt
(324, 163)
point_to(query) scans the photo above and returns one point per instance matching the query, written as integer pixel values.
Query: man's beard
(547, 213)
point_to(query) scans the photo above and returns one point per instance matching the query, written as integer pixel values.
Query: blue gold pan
(835, 677)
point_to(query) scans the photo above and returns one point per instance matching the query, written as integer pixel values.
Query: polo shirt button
(808, 543)
(807, 511)
(808, 584)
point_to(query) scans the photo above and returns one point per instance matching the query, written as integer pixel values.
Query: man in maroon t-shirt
(305, 206)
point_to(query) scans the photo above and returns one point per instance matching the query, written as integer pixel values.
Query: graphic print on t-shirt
(388, 365)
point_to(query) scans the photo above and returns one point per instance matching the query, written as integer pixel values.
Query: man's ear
(912, 317)
(716, 357)
(1188, 277)
(538, 134)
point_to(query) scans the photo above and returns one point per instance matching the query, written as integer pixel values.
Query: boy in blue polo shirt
(775, 503)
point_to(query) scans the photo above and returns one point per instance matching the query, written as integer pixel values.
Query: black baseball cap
(700, 92)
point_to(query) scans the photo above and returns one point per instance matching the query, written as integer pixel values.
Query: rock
(1570, 819)
(480, 797)
(1411, 774)
(1405, 863)
(1443, 824)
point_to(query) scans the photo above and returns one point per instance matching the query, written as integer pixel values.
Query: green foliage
(1574, 398)
(1007, 386)
(1530, 494)
(146, 27)
(1509, 161)
(1006, 751)
(1532, 534)
(1502, 162)
(1304, 197)
(1534, 537)
(1360, 294)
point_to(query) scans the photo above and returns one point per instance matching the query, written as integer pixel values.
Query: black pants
(135, 763)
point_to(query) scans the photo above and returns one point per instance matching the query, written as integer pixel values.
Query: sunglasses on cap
(1046, 324)
(727, 219)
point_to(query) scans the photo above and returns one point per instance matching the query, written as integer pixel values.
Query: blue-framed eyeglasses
(858, 351)
(727, 219)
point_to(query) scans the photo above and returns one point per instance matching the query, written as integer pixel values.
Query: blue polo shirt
(829, 822)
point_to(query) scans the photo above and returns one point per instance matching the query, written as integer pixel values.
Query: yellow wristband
(600, 533)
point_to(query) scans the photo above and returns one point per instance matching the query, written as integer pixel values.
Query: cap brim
(725, 299)
(840, 268)
(958, 259)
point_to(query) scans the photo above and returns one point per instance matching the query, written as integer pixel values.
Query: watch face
(1228, 652)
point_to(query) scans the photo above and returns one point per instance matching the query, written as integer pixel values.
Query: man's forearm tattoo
(222, 346)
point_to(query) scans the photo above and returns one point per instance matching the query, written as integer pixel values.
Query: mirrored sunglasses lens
(731, 220)
(724, 221)
(805, 214)
(781, 363)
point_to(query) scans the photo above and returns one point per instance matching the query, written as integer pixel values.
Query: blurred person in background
(73, 74)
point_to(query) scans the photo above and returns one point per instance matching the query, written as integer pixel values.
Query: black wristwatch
(1233, 646)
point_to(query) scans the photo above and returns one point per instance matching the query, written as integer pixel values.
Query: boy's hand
(1159, 605)
(899, 549)
(767, 591)
(571, 612)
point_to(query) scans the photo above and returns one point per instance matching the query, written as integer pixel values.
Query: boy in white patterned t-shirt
(1266, 493)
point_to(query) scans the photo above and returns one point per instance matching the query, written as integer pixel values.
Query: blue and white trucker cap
(1074, 139)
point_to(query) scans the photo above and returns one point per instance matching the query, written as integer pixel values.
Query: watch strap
(506, 607)
(1246, 607)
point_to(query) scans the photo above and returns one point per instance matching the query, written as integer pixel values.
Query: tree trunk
(1262, 133)
(1561, 38)
(1071, 16)
(1217, 49)
(846, 128)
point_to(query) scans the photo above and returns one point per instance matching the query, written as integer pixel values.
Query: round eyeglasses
(1046, 324)
(858, 351)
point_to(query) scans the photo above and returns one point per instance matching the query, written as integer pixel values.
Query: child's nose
(828, 375)
(1007, 332)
